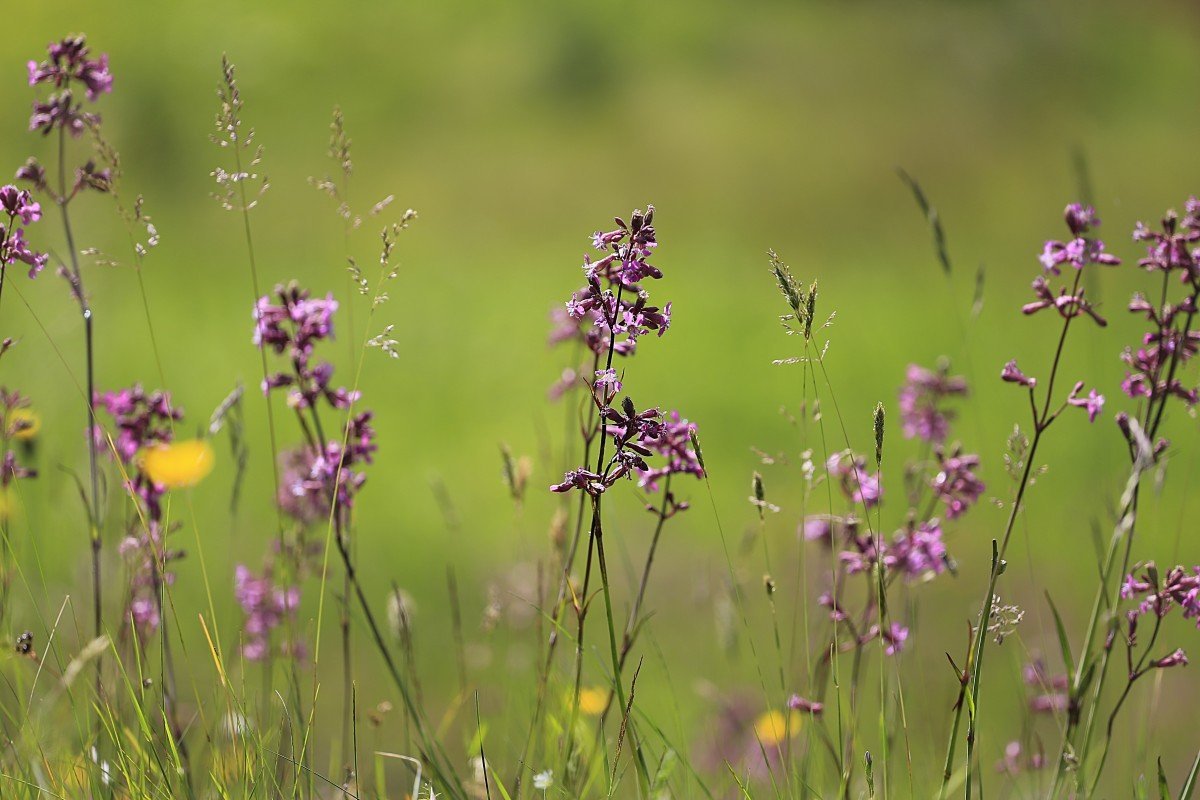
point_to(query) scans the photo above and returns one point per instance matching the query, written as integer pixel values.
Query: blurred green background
(515, 130)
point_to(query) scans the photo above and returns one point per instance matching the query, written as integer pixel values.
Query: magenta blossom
(1094, 403)
(266, 606)
(922, 413)
(1013, 374)
(956, 483)
(1081, 250)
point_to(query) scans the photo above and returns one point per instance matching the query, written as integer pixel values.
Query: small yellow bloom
(178, 465)
(772, 727)
(592, 701)
(23, 423)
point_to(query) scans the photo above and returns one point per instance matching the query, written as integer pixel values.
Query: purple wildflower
(673, 441)
(1094, 403)
(858, 485)
(21, 210)
(1067, 305)
(141, 419)
(1170, 249)
(798, 703)
(266, 606)
(1081, 250)
(956, 483)
(68, 63)
(921, 412)
(1175, 659)
(1013, 374)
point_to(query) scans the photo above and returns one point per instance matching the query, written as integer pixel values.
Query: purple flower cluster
(1170, 340)
(612, 311)
(14, 425)
(293, 327)
(674, 442)
(267, 606)
(1170, 249)
(917, 551)
(1180, 587)
(608, 315)
(1016, 760)
(956, 483)
(68, 63)
(311, 479)
(322, 472)
(1069, 302)
(1048, 693)
(638, 435)
(859, 486)
(1080, 250)
(22, 211)
(142, 420)
(922, 414)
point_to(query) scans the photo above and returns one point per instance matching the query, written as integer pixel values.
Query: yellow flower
(23, 423)
(772, 727)
(592, 701)
(178, 465)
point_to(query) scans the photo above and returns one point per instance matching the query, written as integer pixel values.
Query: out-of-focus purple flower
(1081, 250)
(310, 481)
(919, 551)
(293, 327)
(798, 703)
(294, 324)
(672, 440)
(1094, 403)
(857, 484)
(141, 419)
(1013, 374)
(921, 397)
(68, 63)
(21, 210)
(894, 637)
(1016, 761)
(11, 471)
(148, 557)
(1170, 340)
(1175, 659)
(1049, 703)
(1170, 249)
(20, 203)
(836, 612)
(608, 384)
(1067, 305)
(67, 60)
(266, 605)
(1180, 587)
(818, 528)
(956, 483)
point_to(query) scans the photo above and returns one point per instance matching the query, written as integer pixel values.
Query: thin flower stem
(1151, 424)
(1041, 423)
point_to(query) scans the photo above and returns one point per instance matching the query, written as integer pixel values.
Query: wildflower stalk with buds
(1153, 382)
(68, 68)
(610, 313)
(1079, 253)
